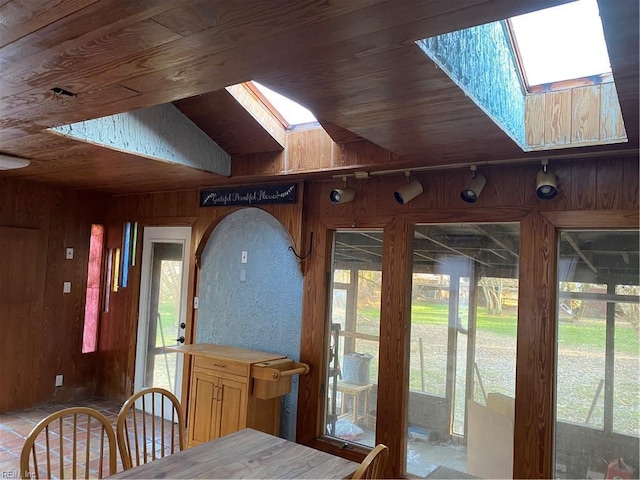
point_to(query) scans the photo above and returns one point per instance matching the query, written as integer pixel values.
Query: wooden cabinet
(215, 407)
(234, 388)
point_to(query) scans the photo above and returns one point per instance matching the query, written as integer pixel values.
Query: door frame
(160, 234)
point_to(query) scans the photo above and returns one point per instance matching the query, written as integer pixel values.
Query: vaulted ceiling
(354, 64)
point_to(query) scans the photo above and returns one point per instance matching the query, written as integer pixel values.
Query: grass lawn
(585, 333)
(168, 315)
(579, 343)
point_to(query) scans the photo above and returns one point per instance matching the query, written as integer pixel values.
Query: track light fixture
(342, 195)
(473, 187)
(546, 182)
(409, 191)
(9, 162)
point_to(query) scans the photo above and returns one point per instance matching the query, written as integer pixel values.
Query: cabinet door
(202, 403)
(232, 406)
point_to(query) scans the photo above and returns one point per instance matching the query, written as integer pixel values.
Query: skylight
(293, 113)
(561, 43)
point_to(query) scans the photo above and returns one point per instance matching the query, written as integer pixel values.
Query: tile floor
(16, 426)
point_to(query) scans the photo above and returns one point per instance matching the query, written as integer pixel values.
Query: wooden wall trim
(314, 336)
(536, 340)
(166, 221)
(295, 237)
(594, 219)
(395, 327)
(444, 215)
(468, 215)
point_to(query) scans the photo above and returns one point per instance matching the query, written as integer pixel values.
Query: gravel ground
(580, 370)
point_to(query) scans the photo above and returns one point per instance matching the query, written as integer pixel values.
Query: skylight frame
(262, 99)
(563, 84)
(255, 90)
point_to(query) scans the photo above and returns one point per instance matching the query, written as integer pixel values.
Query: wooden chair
(147, 430)
(373, 464)
(75, 442)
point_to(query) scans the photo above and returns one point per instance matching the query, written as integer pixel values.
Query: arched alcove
(257, 304)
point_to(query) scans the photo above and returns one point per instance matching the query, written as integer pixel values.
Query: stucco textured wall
(480, 60)
(161, 132)
(262, 313)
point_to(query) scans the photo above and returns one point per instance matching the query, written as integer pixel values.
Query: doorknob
(183, 325)
(180, 339)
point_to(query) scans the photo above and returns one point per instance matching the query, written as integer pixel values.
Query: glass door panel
(164, 307)
(463, 350)
(598, 362)
(354, 329)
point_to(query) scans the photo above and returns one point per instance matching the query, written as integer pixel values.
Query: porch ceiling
(354, 64)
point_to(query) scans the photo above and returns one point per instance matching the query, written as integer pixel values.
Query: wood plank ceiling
(354, 64)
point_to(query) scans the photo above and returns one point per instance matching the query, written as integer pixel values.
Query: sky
(292, 112)
(562, 43)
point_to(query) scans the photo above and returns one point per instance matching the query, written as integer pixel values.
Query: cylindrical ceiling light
(9, 162)
(342, 195)
(409, 191)
(473, 188)
(546, 182)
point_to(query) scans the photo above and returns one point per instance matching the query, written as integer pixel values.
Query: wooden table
(246, 454)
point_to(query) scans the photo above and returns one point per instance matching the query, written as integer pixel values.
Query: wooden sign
(253, 195)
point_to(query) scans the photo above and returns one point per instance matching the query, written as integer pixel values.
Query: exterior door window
(597, 370)
(162, 312)
(464, 311)
(354, 329)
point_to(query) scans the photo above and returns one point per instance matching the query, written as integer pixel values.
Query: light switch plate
(59, 379)
(243, 257)
(69, 254)
(243, 274)
(66, 287)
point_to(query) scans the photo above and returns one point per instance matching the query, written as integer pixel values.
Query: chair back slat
(77, 430)
(374, 464)
(153, 408)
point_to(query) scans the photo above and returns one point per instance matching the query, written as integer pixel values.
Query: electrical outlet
(69, 254)
(243, 257)
(59, 379)
(66, 287)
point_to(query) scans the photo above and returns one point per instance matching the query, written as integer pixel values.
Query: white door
(163, 308)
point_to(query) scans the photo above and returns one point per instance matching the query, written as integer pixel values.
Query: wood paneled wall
(42, 328)
(580, 116)
(593, 193)
(119, 325)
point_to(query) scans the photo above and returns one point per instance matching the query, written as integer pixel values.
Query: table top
(242, 355)
(246, 454)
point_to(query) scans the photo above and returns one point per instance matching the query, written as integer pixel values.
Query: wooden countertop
(246, 454)
(225, 352)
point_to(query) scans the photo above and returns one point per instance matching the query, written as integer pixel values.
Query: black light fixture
(473, 187)
(409, 191)
(342, 195)
(546, 182)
